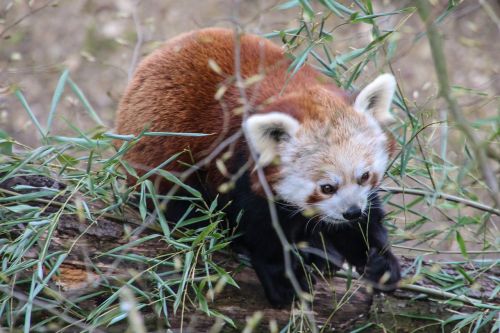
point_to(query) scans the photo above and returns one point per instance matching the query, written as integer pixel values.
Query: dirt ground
(95, 40)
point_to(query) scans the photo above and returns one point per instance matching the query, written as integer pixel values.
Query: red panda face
(333, 155)
(332, 171)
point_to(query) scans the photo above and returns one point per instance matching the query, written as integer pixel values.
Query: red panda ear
(265, 131)
(376, 98)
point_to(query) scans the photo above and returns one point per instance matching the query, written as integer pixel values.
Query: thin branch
(490, 12)
(110, 216)
(444, 196)
(138, 44)
(449, 296)
(22, 18)
(433, 292)
(80, 323)
(436, 45)
(434, 251)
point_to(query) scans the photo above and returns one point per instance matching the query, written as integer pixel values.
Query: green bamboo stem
(438, 56)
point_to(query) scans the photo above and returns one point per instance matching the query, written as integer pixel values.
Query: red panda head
(332, 153)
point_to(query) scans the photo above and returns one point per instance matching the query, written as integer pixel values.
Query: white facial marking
(296, 189)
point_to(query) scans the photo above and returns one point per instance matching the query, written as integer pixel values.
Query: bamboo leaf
(461, 244)
(56, 98)
(27, 108)
(288, 5)
(188, 259)
(86, 104)
(308, 10)
(300, 60)
(6, 143)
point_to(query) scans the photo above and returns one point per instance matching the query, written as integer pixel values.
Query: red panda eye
(328, 189)
(364, 177)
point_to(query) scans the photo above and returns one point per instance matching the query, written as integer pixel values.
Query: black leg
(276, 285)
(381, 267)
(365, 246)
(269, 265)
(261, 242)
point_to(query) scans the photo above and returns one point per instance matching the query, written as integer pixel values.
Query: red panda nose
(353, 213)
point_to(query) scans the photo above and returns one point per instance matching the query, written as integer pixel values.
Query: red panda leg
(260, 241)
(362, 244)
(382, 267)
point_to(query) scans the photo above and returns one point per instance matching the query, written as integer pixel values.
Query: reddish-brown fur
(173, 90)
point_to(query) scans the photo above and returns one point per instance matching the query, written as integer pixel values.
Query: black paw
(382, 269)
(280, 295)
(278, 287)
(305, 277)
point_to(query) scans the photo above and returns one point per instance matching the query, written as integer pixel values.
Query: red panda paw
(382, 270)
(278, 288)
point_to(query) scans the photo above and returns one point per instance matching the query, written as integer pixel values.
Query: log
(334, 307)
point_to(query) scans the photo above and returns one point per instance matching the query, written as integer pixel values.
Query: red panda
(320, 149)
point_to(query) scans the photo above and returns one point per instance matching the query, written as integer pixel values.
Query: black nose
(352, 213)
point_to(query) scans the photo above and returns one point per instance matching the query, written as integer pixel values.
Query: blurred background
(96, 40)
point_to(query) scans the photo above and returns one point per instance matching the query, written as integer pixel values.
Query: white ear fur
(376, 98)
(265, 131)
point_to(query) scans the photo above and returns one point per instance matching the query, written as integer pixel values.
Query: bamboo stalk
(444, 196)
(436, 45)
(434, 292)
